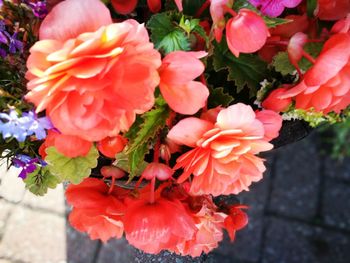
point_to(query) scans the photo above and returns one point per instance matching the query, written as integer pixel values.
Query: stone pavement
(299, 213)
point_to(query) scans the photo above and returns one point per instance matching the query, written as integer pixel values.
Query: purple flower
(39, 8)
(15, 44)
(20, 127)
(274, 8)
(27, 164)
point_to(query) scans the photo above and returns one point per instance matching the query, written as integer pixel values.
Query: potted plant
(152, 110)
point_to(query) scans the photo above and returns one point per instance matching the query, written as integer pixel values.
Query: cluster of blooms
(126, 104)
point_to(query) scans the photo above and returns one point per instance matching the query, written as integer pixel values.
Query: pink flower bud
(159, 170)
(112, 172)
(273, 102)
(246, 33)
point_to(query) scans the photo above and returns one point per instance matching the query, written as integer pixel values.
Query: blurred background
(300, 212)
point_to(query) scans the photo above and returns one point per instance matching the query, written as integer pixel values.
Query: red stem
(200, 11)
(153, 185)
(309, 57)
(112, 186)
(229, 10)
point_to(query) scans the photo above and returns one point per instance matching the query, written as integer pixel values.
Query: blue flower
(20, 127)
(38, 126)
(13, 126)
(27, 164)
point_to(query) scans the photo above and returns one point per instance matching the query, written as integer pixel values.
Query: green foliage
(40, 181)
(275, 21)
(282, 64)
(166, 35)
(140, 136)
(311, 6)
(218, 97)
(246, 71)
(73, 170)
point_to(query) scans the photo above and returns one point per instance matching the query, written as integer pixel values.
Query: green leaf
(275, 21)
(282, 64)
(152, 122)
(218, 97)
(73, 170)
(247, 70)
(40, 181)
(166, 35)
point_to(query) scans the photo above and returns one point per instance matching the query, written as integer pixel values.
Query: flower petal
(71, 18)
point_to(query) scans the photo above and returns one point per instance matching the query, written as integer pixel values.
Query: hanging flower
(217, 12)
(246, 32)
(124, 7)
(273, 101)
(325, 86)
(236, 220)
(177, 85)
(209, 233)
(153, 227)
(90, 75)
(94, 210)
(224, 159)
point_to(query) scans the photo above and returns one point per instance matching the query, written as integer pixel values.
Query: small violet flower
(27, 164)
(20, 127)
(39, 8)
(12, 42)
(274, 8)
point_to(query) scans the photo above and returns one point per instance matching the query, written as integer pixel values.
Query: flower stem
(153, 185)
(200, 11)
(229, 10)
(112, 186)
(309, 57)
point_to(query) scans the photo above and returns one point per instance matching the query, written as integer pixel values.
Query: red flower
(124, 7)
(273, 102)
(333, 9)
(68, 145)
(236, 220)
(246, 33)
(157, 226)
(326, 85)
(110, 146)
(94, 210)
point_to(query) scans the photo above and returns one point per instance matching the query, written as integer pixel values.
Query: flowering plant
(151, 109)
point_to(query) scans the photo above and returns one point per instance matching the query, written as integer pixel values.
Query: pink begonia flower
(274, 8)
(124, 7)
(217, 13)
(159, 170)
(210, 225)
(246, 32)
(91, 76)
(272, 122)
(224, 159)
(342, 26)
(177, 73)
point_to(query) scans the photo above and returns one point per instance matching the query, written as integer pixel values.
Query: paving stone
(117, 249)
(34, 236)
(54, 200)
(338, 169)
(80, 248)
(336, 205)
(12, 188)
(297, 179)
(291, 242)
(6, 209)
(246, 247)
(166, 257)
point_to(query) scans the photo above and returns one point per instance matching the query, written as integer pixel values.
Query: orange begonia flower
(224, 159)
(326, 85)
(177, 73)
(90, 75)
